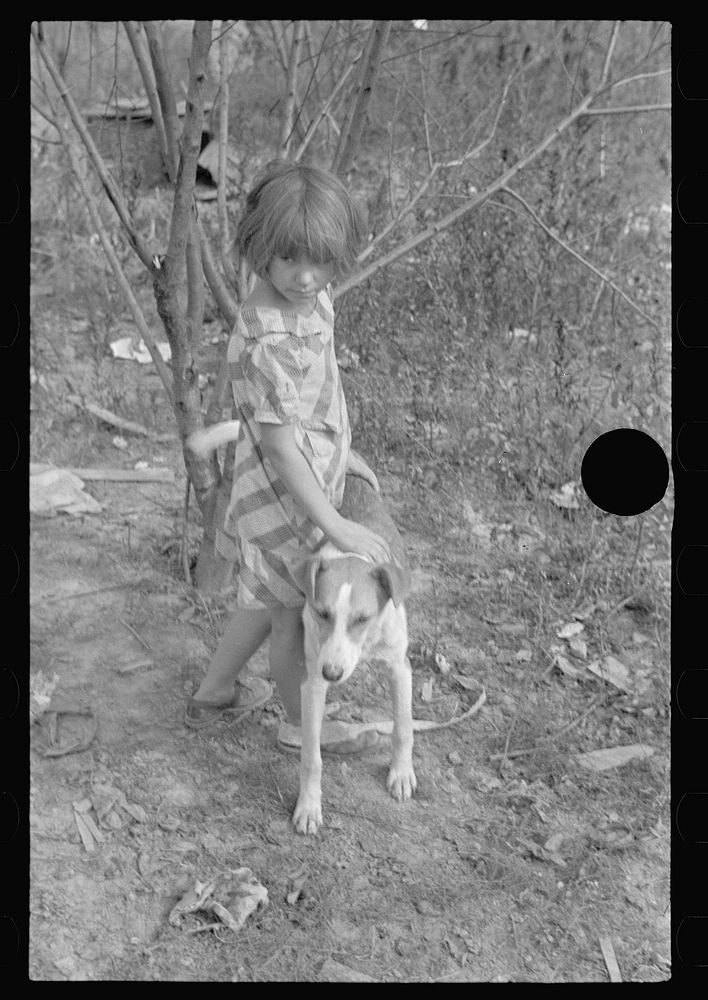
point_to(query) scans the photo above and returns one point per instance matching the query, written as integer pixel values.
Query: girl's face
(299, 279)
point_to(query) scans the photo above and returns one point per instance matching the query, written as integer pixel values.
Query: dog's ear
(393, 581)
(305, 574)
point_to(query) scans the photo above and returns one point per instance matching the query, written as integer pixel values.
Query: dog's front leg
(308, 811)
(401, 778)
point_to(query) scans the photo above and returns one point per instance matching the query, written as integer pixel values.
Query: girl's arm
(293, 469)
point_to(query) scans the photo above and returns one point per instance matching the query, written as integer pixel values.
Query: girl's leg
(287, 658)
(244, 634)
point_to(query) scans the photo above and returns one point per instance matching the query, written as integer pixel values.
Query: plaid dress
(283, 370)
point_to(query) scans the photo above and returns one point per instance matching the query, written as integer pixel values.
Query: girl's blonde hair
(298, 208)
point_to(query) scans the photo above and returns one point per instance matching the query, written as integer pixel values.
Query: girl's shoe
(338, 739)
(251, 693)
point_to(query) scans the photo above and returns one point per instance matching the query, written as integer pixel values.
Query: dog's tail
(207, 439)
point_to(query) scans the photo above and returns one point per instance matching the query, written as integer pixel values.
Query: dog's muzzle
(330, 672)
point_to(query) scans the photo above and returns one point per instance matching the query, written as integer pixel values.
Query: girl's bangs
(294, 234)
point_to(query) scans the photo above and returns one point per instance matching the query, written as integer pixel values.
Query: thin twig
(119, 422)
(120, 276)
(608, 53)
(185, 519)
(579, 257)
(143, 60)
(627, 109)
(109, 184)
(546, 743)
(324, 110)
(165, 93)
(142, 641)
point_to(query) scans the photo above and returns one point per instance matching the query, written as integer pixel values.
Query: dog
(354, 612)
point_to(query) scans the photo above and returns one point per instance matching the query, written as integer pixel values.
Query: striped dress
(283, 370)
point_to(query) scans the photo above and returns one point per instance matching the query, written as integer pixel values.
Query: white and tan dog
(354, 612)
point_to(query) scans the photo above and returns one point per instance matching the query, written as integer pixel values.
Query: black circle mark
(9, 570)
(9, 321)
(9, 201)
(691, 695)
(9, 76)
(693, 199)
(690, 940)
(690, 322)
(9, 940)
(691, 77)
(9, 694)
(690, 569)
(625, 472)
(9, 446)
(9, 818)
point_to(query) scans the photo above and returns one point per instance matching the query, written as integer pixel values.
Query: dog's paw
(307, 817)
(401, 782)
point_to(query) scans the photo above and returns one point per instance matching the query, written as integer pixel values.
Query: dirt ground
(519, 874)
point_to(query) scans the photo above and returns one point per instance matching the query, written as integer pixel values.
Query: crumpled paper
(54, 490)
(231, 898)
(126, 350)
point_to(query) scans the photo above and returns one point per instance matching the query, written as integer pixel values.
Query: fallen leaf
(442, 664)
(578, 647)
(296, 883)
(119, 442)
(609, 757)
(569, 630)
(335, 972)
(612, 671)
(468, 683)
(426, 691)
(566, 667)
(554, 842)
(85, 833)
(458, 948)
(523, 656)
(565, 497)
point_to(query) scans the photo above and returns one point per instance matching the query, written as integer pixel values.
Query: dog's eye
(361, 620)
(323, 614)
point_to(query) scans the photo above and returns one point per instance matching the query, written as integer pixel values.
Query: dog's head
(346, 598)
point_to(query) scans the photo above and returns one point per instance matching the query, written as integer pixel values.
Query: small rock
(454, 757)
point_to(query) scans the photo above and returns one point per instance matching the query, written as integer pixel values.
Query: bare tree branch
(350, 137)
(608, 53)
(411, 203)
(143, 60)
(109, 185)
(640, 76)
(471, 203)
(222, 179)
(324, 110)
(628, 109)
(165, 92)
(195, 288)
(144, 330)
(219, 288)
(578, 256)
(286, 127)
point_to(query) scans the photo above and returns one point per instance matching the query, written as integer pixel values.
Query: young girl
(300, 230)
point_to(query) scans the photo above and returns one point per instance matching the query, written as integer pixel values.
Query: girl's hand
(358, 467)
(352, 537)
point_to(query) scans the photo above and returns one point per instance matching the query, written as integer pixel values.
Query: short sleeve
(273, 377)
